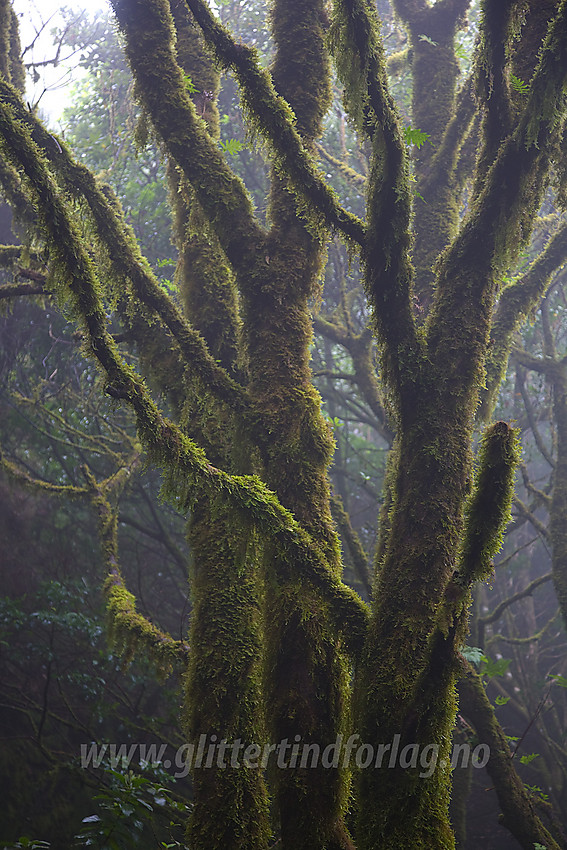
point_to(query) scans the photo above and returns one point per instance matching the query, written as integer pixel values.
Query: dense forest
(283, 427)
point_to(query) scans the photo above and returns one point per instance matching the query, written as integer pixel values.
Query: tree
(280, 648)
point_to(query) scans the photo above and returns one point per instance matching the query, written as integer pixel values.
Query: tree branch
(186, 469)
(127, 260)
(520, 816)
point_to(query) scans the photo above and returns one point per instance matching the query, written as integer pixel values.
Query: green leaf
(536, 790)
(559, 680)
(415, 137)
(495, 668)
(426, 38)
(501, 700)
(473, 654)
(232, 146)
(189, 85)
(529, 758)
(519, 85)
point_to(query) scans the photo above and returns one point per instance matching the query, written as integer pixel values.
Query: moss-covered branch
(9, 254)
(436, 111)
(272, 118)
(352, 540)
(15, 290)
(13, 193)
(498, 224)
(5, 15)
(359, 54)
(515, 303)
(445, 156)
(19, 475)
(488, 511)
(486, 516)
(354, 177)
(523, 641)
(149, 41)
(541, 365)
(499, 25)
(127, 260)
(129, 631)
(184, 463)
(520, 815)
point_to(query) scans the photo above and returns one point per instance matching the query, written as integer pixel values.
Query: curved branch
(186, 469)
(125, 255)
(129, 629)
(524, 640)
(520, 816)
(506, 206)
(542, 365)
(497, 612)
(515, 303)
(221, 193)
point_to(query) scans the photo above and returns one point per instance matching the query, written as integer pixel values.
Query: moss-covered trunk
(266, 574)
(305, 672)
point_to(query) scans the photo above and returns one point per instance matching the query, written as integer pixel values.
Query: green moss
(197, 62)
(435, 69)
(17, 75)
(488, 510)
(223, 680)
(271, 118)
(5, 25)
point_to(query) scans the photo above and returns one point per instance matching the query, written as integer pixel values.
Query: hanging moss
(129, 631)
(271, 118)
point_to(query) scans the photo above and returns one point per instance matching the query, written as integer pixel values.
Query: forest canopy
(283, 354)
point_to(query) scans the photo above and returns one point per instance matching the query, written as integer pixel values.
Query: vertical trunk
(223, 688)
(305, 671)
